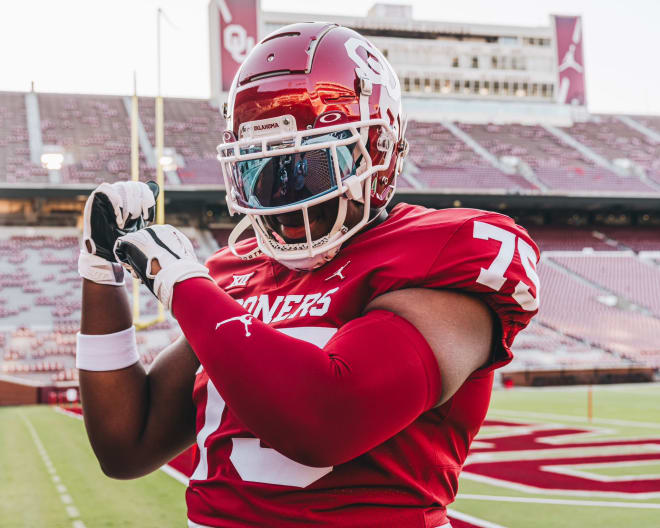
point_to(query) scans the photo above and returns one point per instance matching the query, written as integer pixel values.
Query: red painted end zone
(578, 449)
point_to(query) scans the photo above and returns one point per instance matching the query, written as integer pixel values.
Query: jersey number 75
(493, 276)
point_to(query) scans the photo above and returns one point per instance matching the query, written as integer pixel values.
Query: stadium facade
(448, 70)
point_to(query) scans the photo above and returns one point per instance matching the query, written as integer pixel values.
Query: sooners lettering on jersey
(410, 479)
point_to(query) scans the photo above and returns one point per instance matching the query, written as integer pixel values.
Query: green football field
(621, 413)
(49, 477)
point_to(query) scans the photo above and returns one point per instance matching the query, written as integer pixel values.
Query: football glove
(175, 255)
(113, 210)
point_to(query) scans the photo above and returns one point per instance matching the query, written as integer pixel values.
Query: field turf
(29, 498)
(49, 477)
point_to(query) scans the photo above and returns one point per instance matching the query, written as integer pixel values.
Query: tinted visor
(278, 181)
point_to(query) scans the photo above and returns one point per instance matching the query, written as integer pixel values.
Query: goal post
(138, 322)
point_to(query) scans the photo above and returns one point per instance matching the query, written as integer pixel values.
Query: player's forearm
(317, 406)
(114, 410)
(105, 309)
(114, 402)
(136, 421)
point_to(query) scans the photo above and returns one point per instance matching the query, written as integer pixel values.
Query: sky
(89, 46)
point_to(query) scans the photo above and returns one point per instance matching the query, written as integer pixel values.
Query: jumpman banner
(570, 60)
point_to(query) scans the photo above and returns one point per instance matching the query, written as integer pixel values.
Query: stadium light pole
(160, 206)
(160, 133)
(135, 176)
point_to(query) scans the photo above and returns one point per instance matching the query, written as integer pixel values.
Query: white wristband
(107, 351)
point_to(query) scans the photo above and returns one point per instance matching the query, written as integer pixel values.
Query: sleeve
(493, 258)
(317, 406)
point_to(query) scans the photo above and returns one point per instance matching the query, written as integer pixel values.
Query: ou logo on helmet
(376, 67)
(237, 42)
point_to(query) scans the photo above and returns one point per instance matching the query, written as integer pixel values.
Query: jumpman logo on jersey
(240, 281)
(339, 273)
(246, 319)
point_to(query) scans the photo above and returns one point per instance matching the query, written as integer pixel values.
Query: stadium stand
(621, 273)
(94, 130)
(599, 300)
(540, 348)
(40, 293)
(596, 307)
(600, 238)
(652, 122)
(577, 308)
(551, 238)
(15, 165)
(446, 162)
(638, 238)
(556, 164)
(194, 129)
(612, 139)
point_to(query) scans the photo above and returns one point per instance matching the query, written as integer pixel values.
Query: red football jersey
(410, 479)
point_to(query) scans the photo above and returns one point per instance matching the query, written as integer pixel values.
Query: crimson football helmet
(313, 115)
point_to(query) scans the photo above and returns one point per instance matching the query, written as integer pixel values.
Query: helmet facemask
(270, 175)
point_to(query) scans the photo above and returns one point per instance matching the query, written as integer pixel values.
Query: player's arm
(457, 327)
(135, 421)
(318, 406)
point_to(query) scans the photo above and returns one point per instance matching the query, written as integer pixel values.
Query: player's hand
(113, 210)
(160, 256)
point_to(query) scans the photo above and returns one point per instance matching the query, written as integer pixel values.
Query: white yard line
(568, 417)
(574, 471)
(577, 453)
(481, 523)
(648, 387)
(66, 499)
(177, 475)
(563, 502)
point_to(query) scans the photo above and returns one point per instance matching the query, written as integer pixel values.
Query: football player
(334, 368)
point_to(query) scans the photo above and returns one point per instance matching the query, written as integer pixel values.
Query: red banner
(570, 60)
(238, 35)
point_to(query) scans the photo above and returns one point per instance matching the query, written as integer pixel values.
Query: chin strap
(341, 217)
(233, 238)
